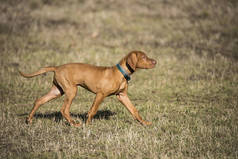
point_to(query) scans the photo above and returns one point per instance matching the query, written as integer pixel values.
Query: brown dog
(103, 81)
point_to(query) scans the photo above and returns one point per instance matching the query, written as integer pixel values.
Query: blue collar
(125, 74)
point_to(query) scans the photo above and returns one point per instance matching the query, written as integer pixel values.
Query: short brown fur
(103, 81)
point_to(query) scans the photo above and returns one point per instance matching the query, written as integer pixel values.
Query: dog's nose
(154, 62)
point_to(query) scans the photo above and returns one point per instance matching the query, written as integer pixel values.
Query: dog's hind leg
(53, 93)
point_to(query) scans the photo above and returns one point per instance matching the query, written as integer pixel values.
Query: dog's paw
(76, 124)
(73, 123)
(28, 121)
(146, 123)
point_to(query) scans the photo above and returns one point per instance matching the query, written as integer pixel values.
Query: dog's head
(138, 59)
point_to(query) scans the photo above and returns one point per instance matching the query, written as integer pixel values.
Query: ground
(191, 97)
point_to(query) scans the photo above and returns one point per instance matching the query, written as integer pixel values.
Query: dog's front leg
(123, 98)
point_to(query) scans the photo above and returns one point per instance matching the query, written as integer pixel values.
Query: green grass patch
(191, 97)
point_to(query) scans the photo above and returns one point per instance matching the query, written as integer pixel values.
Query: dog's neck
(125, 70)
(129, 68)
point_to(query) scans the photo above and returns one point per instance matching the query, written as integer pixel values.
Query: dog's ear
(132, 60)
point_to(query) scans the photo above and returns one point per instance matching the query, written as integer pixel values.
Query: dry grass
(191, 96)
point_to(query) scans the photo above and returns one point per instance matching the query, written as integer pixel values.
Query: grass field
(191, 96)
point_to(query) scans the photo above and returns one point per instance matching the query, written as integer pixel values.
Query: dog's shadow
(57, 116)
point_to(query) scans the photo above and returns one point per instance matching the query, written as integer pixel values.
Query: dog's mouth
(148, 64)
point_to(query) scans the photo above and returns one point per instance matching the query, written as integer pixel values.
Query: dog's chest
(121, 87)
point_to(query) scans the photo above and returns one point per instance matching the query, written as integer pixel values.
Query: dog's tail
(41, 71)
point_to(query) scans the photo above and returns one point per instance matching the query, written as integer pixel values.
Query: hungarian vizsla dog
(103, 81)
